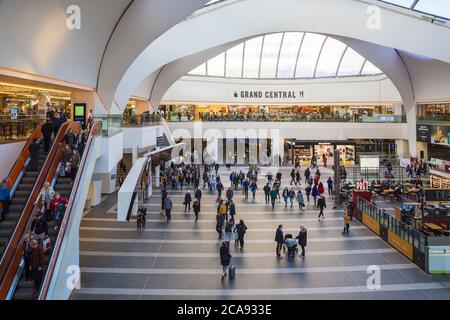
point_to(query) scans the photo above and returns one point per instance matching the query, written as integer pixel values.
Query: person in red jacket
(321, 188)
(58, 206)
(37, 263)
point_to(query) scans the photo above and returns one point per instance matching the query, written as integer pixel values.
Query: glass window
(252, 55)
(309, 53)
(199, 71)
(439, 8)
(351, 63)
(270, 52)
(288, 54)
(234, 61)
(329, 58)
(403, 3)
(370, 69)
(216, 66)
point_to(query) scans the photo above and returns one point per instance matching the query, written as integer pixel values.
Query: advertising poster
(440, 135)
(322, 150)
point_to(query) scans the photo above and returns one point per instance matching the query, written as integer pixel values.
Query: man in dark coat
(187, 200)
(279, 239)
(321, 205)
(46, 131)
(225, 258)
(34, 154)
(302, 239)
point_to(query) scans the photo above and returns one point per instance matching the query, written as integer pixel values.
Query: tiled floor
(181, 261)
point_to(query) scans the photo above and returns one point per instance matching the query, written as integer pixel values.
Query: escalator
(26, 186)
(19, 200)
(22, 289)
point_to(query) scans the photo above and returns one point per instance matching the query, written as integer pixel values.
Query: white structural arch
(386, 58)
(205, 30)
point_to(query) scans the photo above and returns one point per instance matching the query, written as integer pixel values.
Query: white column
(411, 118)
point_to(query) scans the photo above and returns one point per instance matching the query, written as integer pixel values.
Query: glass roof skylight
(289, 55)
(439, 8)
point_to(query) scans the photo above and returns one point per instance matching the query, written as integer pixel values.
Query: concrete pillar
(411, 118)
(402, 148)
(422, 146)
(134, 154)
(109, 181)
(95, 192)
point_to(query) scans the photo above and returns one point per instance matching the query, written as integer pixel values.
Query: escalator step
(25, 186)
(31, 174)
(28, 180)
(22, 193)
(19, 200)
(12, 216)
(5, 233)
(8, 225)
(24, 294)
(16, 208)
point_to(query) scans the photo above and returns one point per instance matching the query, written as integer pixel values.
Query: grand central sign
(257, 94)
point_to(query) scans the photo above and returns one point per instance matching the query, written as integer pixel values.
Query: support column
(411, 118)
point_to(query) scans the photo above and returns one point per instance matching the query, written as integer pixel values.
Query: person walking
(346, 222)
(321, 205)
(232, 210)
(330, 186)
(302, 239)
(225, 258)
(37, 263)
(267, 193)
(229, 230)
(253, 188)
(219, 224)
(46, 196)
(164, 195)
(196, 207)
(292, 197)
(168, 208)
(307, 174)
(198, 196)
(187, 200)
(241, 229)
(46, 131)
(292, 177)
(5, 199)
(229, 194)
(308, 192)
(219, 188)
(285, 195)
(279, 239)
(314, 194)
(223, 210)
(273, 197)
(245, 187)
(34, 154)
(300, 200)
(75, 160)
(321, 188)
(298, 178)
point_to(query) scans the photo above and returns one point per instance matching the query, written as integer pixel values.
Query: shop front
(315, 113)
(22, 107)
(304, 150)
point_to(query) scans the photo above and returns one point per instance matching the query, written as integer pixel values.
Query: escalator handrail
(23, 156)
(13, 254)
(95, 130)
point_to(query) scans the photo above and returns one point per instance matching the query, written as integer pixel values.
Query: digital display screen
(79, 110)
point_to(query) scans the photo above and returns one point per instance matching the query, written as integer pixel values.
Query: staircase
(19, 201)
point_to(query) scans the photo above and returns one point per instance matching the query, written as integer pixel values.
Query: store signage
(423, 133)
(258, 94)
(159, 141)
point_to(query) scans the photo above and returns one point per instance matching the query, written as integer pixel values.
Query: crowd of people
(304, 187)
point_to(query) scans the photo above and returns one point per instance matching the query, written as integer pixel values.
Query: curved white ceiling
(288, 55)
